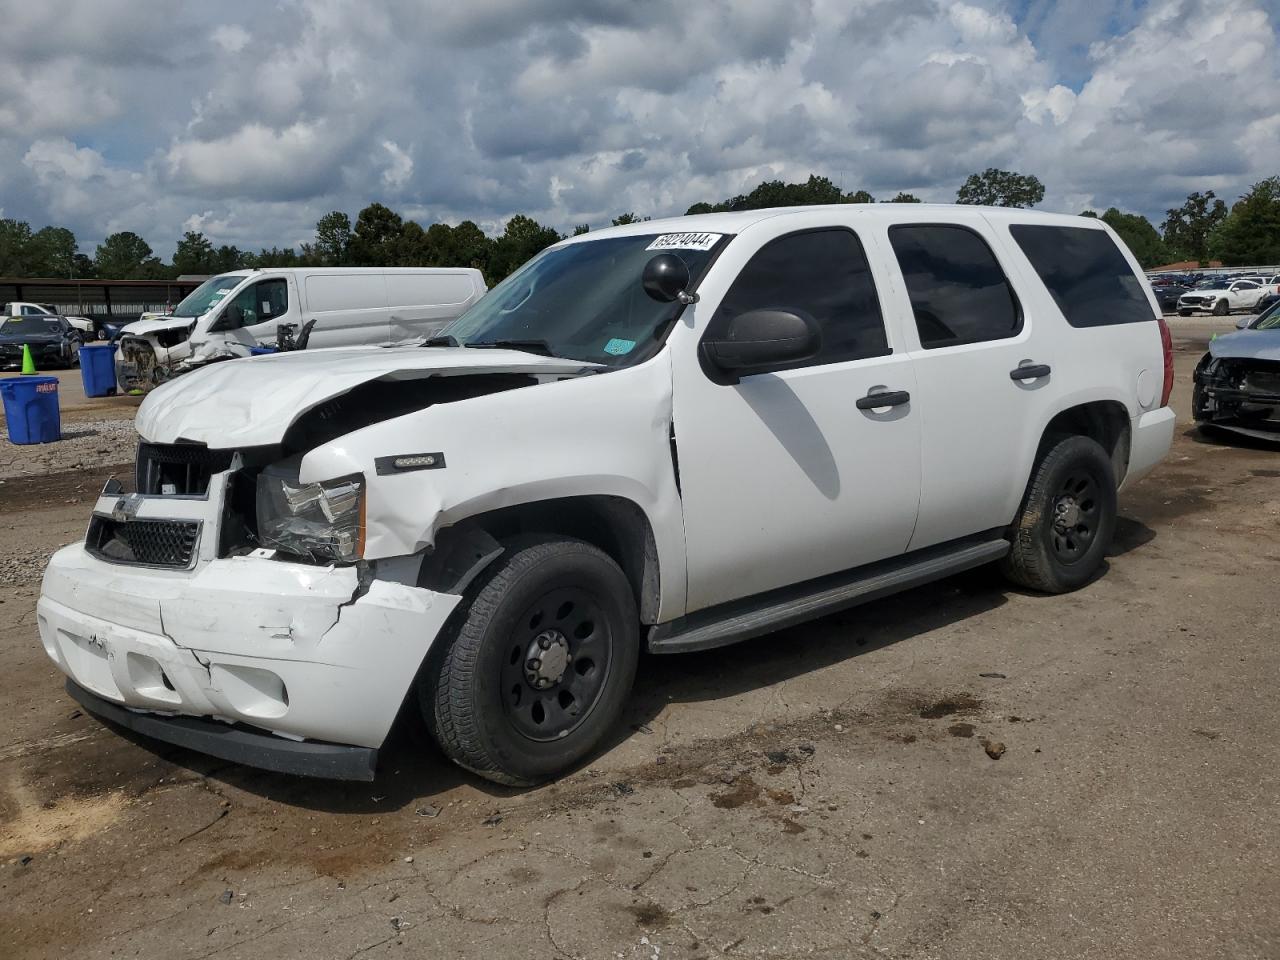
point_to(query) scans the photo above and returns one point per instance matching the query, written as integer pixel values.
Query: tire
(1073, 480)
(1221, 308)
(481, 695)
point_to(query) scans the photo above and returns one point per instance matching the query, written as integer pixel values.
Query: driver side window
(265, 300)
(823, 274)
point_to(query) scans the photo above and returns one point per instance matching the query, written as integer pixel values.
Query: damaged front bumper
(1239, 394)
(292, 651)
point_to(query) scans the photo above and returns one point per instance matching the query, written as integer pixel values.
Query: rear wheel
(1221, 308)
(538, 667)
(1067, 518)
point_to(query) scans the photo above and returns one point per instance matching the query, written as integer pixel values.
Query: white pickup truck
(19, 308)
(672, 434)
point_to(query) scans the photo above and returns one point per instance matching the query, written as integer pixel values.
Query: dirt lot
(828, 791)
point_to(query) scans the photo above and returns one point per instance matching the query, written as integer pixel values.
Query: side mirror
(764, 338)
(666, 278)
(232, 318)
(1243, 322)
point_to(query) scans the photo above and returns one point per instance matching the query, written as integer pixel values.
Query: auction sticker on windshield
(685, 241)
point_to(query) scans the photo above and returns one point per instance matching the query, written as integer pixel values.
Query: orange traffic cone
(28, 364)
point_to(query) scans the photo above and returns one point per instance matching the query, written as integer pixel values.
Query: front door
(261, 307)
(784, 477)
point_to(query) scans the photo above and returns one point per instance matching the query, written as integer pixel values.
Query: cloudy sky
(248, 119)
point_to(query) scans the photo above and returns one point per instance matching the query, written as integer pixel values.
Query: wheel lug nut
(544, 642)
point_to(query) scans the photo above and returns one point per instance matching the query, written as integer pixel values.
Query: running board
(787, 606)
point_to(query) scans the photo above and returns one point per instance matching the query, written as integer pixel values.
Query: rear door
(969, 333)
(422, 303)
(783, 477)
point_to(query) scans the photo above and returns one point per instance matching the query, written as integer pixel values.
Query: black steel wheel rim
(1075, 513)
(556, 664)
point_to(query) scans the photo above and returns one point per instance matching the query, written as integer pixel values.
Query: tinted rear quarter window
(1087, 275)
(959, 293)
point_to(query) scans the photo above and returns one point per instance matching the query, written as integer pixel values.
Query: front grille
(178, 468)
(148, 543)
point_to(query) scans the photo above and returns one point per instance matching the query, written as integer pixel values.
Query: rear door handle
(889, 398)
(1032, 371)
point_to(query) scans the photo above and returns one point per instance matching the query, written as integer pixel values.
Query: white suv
(1221, 297)
(672, 435)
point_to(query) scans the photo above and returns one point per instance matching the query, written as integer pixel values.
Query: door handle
(889, 398)
(1032, 371)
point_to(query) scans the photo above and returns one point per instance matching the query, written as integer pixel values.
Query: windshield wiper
(528, 346)
(440, 340)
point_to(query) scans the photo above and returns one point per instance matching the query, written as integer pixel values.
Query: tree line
(1202, 229)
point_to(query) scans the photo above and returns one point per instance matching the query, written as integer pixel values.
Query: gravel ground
(963, 772)
(84, 445)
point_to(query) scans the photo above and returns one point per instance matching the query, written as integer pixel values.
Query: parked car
(1237, 383)
(1168, 294)
(52, 339)
(674, 434)
(1221, 297)
(228, 315)
(20, 308)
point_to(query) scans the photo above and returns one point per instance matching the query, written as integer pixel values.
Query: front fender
(596, 435)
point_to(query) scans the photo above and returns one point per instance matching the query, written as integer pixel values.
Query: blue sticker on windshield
(617, 347)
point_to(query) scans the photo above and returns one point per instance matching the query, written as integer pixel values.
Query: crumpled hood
(140, 328)
(1247, 345)
(253, 402)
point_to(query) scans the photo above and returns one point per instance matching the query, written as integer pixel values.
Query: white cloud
(231, 37)
(255, 160)
(400, 167)
(248, 121)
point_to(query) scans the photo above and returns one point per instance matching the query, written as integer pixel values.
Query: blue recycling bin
(98, 369)
(31, 409)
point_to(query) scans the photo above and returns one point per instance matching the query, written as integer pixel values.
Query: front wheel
(1067, 518)
(1221, 308)
(538, 666)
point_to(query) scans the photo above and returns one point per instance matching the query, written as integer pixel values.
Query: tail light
(1166, 343)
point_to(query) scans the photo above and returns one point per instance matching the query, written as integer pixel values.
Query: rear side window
(821, 273)
(959, 293)
(1086, 273)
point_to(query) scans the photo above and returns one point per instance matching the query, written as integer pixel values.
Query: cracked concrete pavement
(826, 791)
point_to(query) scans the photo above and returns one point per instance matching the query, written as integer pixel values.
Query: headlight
(323, 521)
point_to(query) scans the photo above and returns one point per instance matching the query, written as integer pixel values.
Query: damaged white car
(1237, 383)
(230, 314)
(674, 434)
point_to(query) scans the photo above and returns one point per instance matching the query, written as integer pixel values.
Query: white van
(231, 313)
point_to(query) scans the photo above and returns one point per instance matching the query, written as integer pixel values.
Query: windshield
(30, 325)
(207, 296)
(584, 300)
(1213, 285)
(1270, 319)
